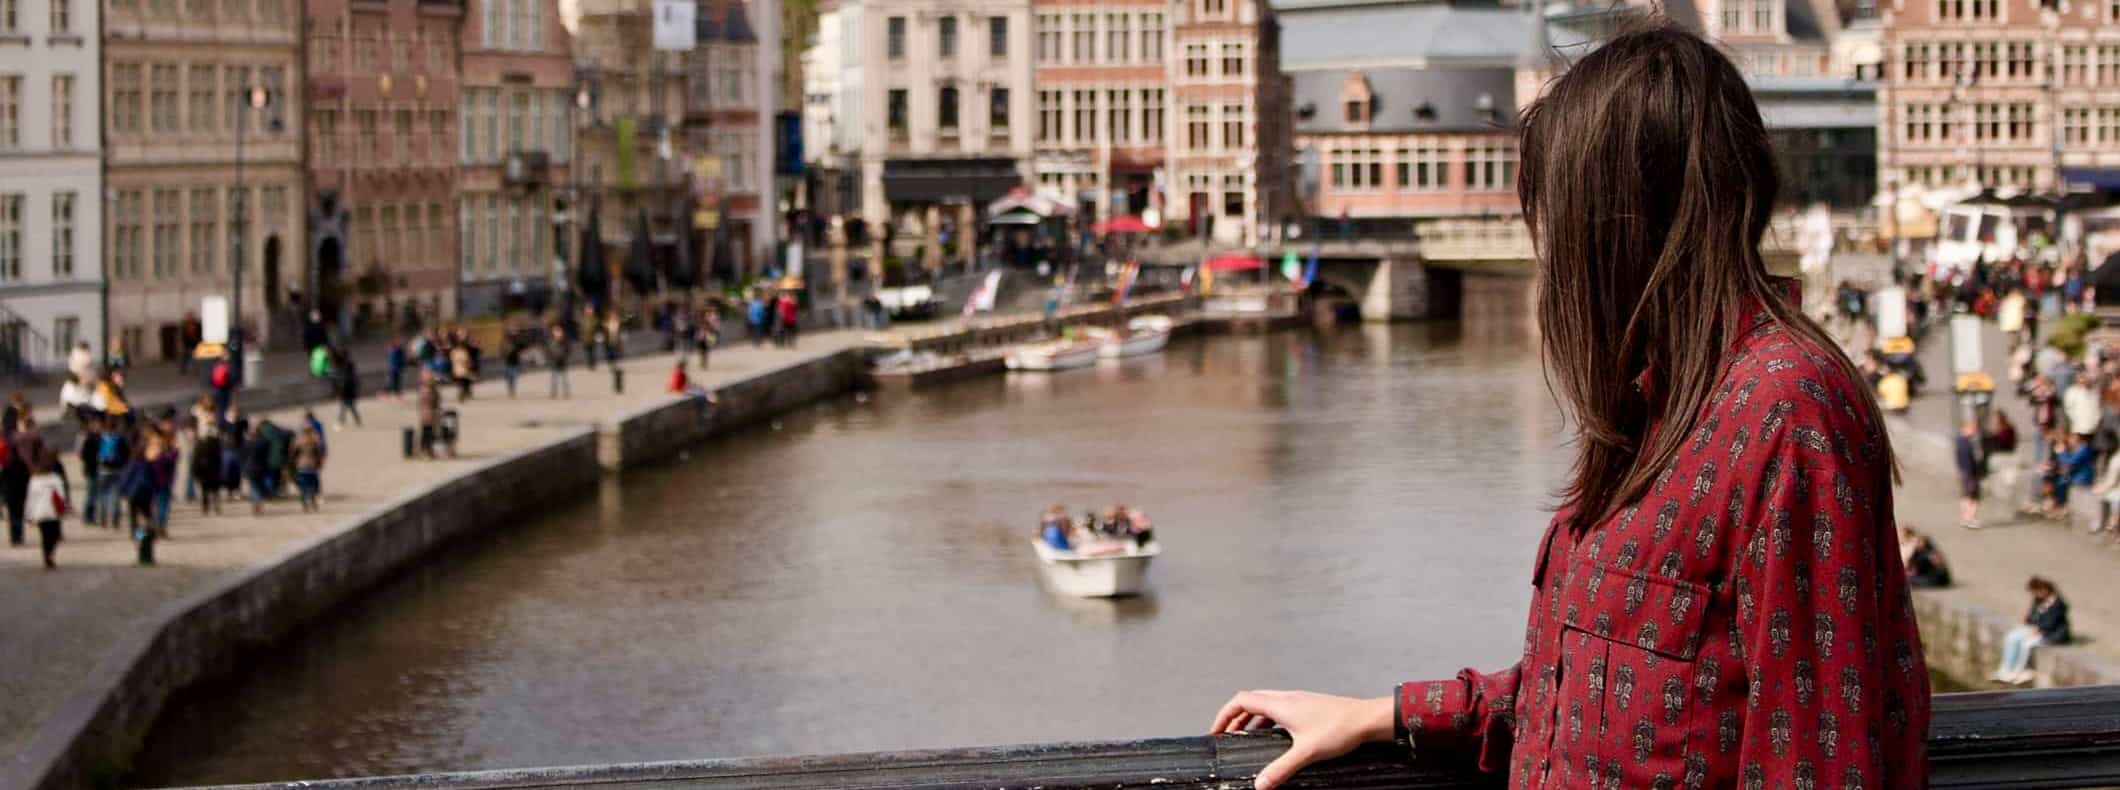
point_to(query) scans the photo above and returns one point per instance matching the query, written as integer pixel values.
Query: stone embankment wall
(92, 738)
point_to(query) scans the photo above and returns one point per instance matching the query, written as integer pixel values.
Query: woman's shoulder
(1797, 388)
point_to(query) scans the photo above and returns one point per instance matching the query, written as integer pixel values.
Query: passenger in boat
(1139, 527)
(1054, 528)
(1715, 602)
(1116, 523)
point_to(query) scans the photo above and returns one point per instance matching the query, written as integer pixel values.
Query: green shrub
(2069, 333)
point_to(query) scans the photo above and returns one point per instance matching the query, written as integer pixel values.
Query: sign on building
(673, 25)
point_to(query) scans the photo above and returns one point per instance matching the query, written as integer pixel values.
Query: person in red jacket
(1717, 601)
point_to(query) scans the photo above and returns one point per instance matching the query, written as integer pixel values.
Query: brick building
(382, 141)
(1976, 91)
(513, 154)
(1229, 175)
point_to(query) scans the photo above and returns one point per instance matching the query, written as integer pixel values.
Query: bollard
(618, 380)
(410, 439)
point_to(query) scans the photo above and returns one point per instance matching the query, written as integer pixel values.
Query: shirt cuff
(1434, 709)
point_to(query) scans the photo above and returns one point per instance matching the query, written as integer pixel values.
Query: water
(1338, 511)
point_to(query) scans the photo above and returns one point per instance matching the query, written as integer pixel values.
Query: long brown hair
(1647, 182)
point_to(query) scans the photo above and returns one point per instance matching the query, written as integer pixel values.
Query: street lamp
(259, 99)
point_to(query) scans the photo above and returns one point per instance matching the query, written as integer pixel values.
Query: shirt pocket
(1634, 638)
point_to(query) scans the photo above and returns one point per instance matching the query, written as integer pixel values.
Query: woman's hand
(1323, 726)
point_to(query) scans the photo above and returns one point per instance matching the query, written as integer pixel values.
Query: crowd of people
(1117, 524)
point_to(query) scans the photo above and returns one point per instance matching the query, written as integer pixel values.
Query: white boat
(1055, 355)
(1144, 335)
(1103, 569)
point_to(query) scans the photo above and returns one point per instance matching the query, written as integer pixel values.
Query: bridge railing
(1475, 239)
(2012, 739)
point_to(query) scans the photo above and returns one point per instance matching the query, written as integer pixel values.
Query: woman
(1716, 601)
(47, 502)
(308, 456)
(205, 471)
(2046, 623)
(1924, 563)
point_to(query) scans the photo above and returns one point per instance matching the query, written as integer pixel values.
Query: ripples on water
(1339, 511)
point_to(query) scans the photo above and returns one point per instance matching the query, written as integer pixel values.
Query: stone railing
(1475, 240)
(2007, 739)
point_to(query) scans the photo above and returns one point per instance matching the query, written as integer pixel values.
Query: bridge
(2009, 739)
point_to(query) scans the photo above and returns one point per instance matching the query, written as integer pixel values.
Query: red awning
(1125, 224)
(1233, 263)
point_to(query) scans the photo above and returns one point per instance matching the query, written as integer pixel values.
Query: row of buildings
(1207, 115)
(373, 160)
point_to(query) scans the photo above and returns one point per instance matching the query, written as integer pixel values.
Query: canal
(858, 577)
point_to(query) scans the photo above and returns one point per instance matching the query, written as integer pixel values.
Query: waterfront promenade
(59, 624)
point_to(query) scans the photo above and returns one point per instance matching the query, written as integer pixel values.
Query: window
(11, 236)
(997, 37)
(202, 89)
(946, 110)
(2109, 125)
(1233, 123)
(897, 111)
(1233, 59)
(997, 110)
(533, 26)
(561, 135)
(518, 119)
(946, 37)
(1762, 16)
(490, 27)
(2076, 126)
(2022, 124)
(204, 222)
(2075, 65)
(1214, 6)
(1357, 112)
(125, 108)
(66, 331)
(467, 241)
(491, 152)
(1198, 126)
(894, 45)
(1152, 115)
(1085, 30)
(437, 235)
(271, 78)
(493, 232)
(467, 117)
(1196, 60)
(2109, 65)
(11, 111)
(63, 234)
(1117, 34)
(1915, 62)
(168, 232)
(1490, 167)
(62, 16)
(125, 235)
(235, 82)
(1051, 117)
(1049, 38)
(162, 103)
(1119, 124)
(1233, 196)
(1732, 17)
(7, 16)
(239, 230)
(1151, 38)
(1085, 116)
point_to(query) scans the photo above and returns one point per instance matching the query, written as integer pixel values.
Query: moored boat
(1053, 355)
(1143, 335)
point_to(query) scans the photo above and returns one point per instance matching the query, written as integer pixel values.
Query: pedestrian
(756, 317)
(223, 380)
(308, 453)
(430, 412)
(2082, 406)
(1924, 563)
(91, 439)
(1972, 458)
(460, 370)
(349, 390)
(162, 460)
(1649, 180)
(512, 363)
(18, 456)
(257, 466)
(788, 323)
(110, 398)
(205, 471)
(114, 452)
(75, 398)
(2045, 623)
(82, 363)
(189, 336)
(137, 485)
(709, 328)
(279, 472)
(556, 362)
(2074, 465)
(11, 415)
(47, 502)
(396, 362)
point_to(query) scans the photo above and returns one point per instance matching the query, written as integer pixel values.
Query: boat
(1102, 569)
(1054, 355)
(1144, 335)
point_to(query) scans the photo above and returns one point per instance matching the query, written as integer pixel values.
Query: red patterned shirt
(1745, 624)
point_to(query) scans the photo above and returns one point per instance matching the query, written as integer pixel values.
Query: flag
(1290, 267)
(1310, 270)
(1127, 275)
